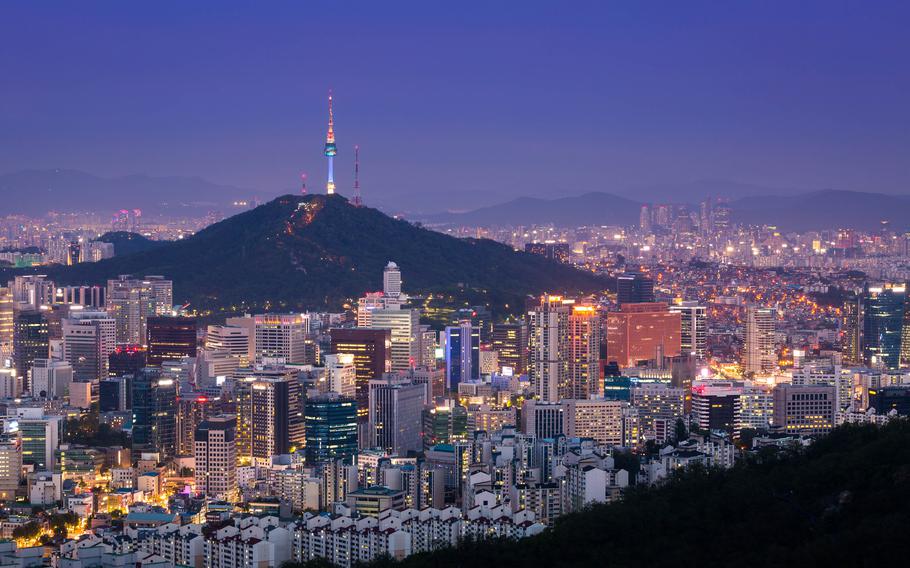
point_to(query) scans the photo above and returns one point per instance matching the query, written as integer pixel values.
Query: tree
(680, 434)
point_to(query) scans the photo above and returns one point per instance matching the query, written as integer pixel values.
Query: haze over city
(463, 105)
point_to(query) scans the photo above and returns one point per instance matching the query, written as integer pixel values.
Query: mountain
(593, 208)
(844, 501)
(827, 209)
(128, 243)
(35, 192)
(696, 191)
(317, 251)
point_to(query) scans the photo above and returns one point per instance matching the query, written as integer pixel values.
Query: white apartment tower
(759, 356)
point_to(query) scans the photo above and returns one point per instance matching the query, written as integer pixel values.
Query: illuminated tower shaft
(330, 150)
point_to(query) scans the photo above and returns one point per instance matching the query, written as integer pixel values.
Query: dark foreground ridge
(317, 252)
(845, 501)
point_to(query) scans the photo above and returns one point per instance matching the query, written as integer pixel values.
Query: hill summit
(318, 251)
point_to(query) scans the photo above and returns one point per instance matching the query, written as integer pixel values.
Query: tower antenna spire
(330, 149)
(358, 201)
(303, 183)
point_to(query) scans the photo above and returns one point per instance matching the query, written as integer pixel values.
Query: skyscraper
(155, 413)
(30, 340)
(126, 360)
(170, 337)
(717, 405)
(548, 328)
(276, 416)
(462, 354)
(7, 324)
(331, 428)
(693, 337)
(396, 409)
(236, 340)
(215, 450)
(583, 356)
(130, 301)
(634, 288)
(510, 341)
(852, 327)
(89, 338)
(281, 336)
(883, 321)
(371, 349)
(642, 332)
(404, 323)
(759, 356)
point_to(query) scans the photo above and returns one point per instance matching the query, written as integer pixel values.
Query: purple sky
(461, 103)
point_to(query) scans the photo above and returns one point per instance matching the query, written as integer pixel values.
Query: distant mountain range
(827, 209)
(588, 209)
(318, 251)
(35, 192)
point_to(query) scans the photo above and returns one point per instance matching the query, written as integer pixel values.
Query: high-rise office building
(642, 332)
(235, 340)
(115, 394)
(131, 301)
(543, 419)
(659, 407)
(883, 321)
(51, 379)
(281, 337)
(215, 450)
(340, 375)
(31, 291)
(549, 322)
(852, 329)
(693, 336)
(126, 360)
(510, 341)
(634, 288)
(403, 323)
(396, 408)
(154, 412)
(7, 325)
(717, 405)
(372, 352)
(192, 409)
(461, 349)
(10, 466)
(804, 409)
(391, 280)
(276, 416)
(759, 355)
(331, 428)
(30, 340)
(583, 355)
(40, 436)
(598, 419)
(89, 338)
(170, 337)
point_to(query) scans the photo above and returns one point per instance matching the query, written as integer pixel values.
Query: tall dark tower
(357, 199)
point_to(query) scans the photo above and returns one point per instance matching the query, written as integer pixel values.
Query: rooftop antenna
(358, 201)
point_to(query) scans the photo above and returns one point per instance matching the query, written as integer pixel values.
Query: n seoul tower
(330, 150)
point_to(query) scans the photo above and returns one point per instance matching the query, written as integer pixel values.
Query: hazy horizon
(457, 107)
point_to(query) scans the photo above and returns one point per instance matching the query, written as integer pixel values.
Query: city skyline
(477, 105)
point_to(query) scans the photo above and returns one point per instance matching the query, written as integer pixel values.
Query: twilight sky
(457, 104)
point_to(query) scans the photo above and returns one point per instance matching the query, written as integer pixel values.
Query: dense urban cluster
(135, 432)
